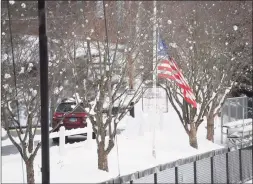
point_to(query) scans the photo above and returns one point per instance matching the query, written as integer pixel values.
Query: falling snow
(7, 76)
(30, 65)
(23, 5)
(11, 2)
(22, 70)
(169, 22)
(6, 86)
(235, 27)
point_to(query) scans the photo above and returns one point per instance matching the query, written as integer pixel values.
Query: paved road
(11, 149)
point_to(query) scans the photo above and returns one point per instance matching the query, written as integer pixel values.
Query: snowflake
(169, 21)
(6, 86)
(88, 38)
(23, 5)
(3, 33)
(11, 2)
(86, 21)
(81, 10)
(7, 76)
(174, 45)
(235, 27)
(106, 5)
(226, 43)
(30, 65)
(22, 70)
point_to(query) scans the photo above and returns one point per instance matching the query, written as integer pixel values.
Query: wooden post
(62, 140)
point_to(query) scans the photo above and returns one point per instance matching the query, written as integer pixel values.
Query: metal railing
(226, 165)
(235, 110)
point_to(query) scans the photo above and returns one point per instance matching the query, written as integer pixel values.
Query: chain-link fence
(227, 165)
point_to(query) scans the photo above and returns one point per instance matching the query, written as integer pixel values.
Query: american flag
(168, 69)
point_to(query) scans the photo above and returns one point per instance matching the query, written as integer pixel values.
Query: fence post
(62, 140)
(195, 171)
(176, 175)
(212, 179)
(227, 169)
(240, 164)
(222, 125)
(89, 133)
(155, 178)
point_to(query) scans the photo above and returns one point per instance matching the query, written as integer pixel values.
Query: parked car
(71, 115)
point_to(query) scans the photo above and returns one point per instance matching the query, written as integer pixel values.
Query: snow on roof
(68, 100)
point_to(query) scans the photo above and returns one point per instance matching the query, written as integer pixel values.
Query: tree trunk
(193, 136)
(102, 157)
(30, 171)
(210, 128)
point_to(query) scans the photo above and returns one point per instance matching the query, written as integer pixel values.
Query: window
(68, 107)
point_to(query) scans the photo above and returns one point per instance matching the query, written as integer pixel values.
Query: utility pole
(44, 93)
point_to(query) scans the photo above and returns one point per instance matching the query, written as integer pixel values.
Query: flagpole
(154, 73)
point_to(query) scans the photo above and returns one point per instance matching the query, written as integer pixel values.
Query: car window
(68, 107)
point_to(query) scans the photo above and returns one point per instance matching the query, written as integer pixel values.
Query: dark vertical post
(155, 178)
(227, 168)
(195, 171)
(240, 163)
(44, 92)
(132, 109)
(131, 182)
(176, 175)
(212, 179)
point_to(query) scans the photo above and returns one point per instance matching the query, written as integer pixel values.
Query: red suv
(72, 116)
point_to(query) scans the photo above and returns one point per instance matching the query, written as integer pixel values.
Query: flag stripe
(168, 69)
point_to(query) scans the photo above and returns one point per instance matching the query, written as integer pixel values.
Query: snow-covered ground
(249, 181)
(79, 164)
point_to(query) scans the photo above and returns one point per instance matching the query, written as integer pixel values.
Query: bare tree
(107, 71)
(20, 101)
(210, 67)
